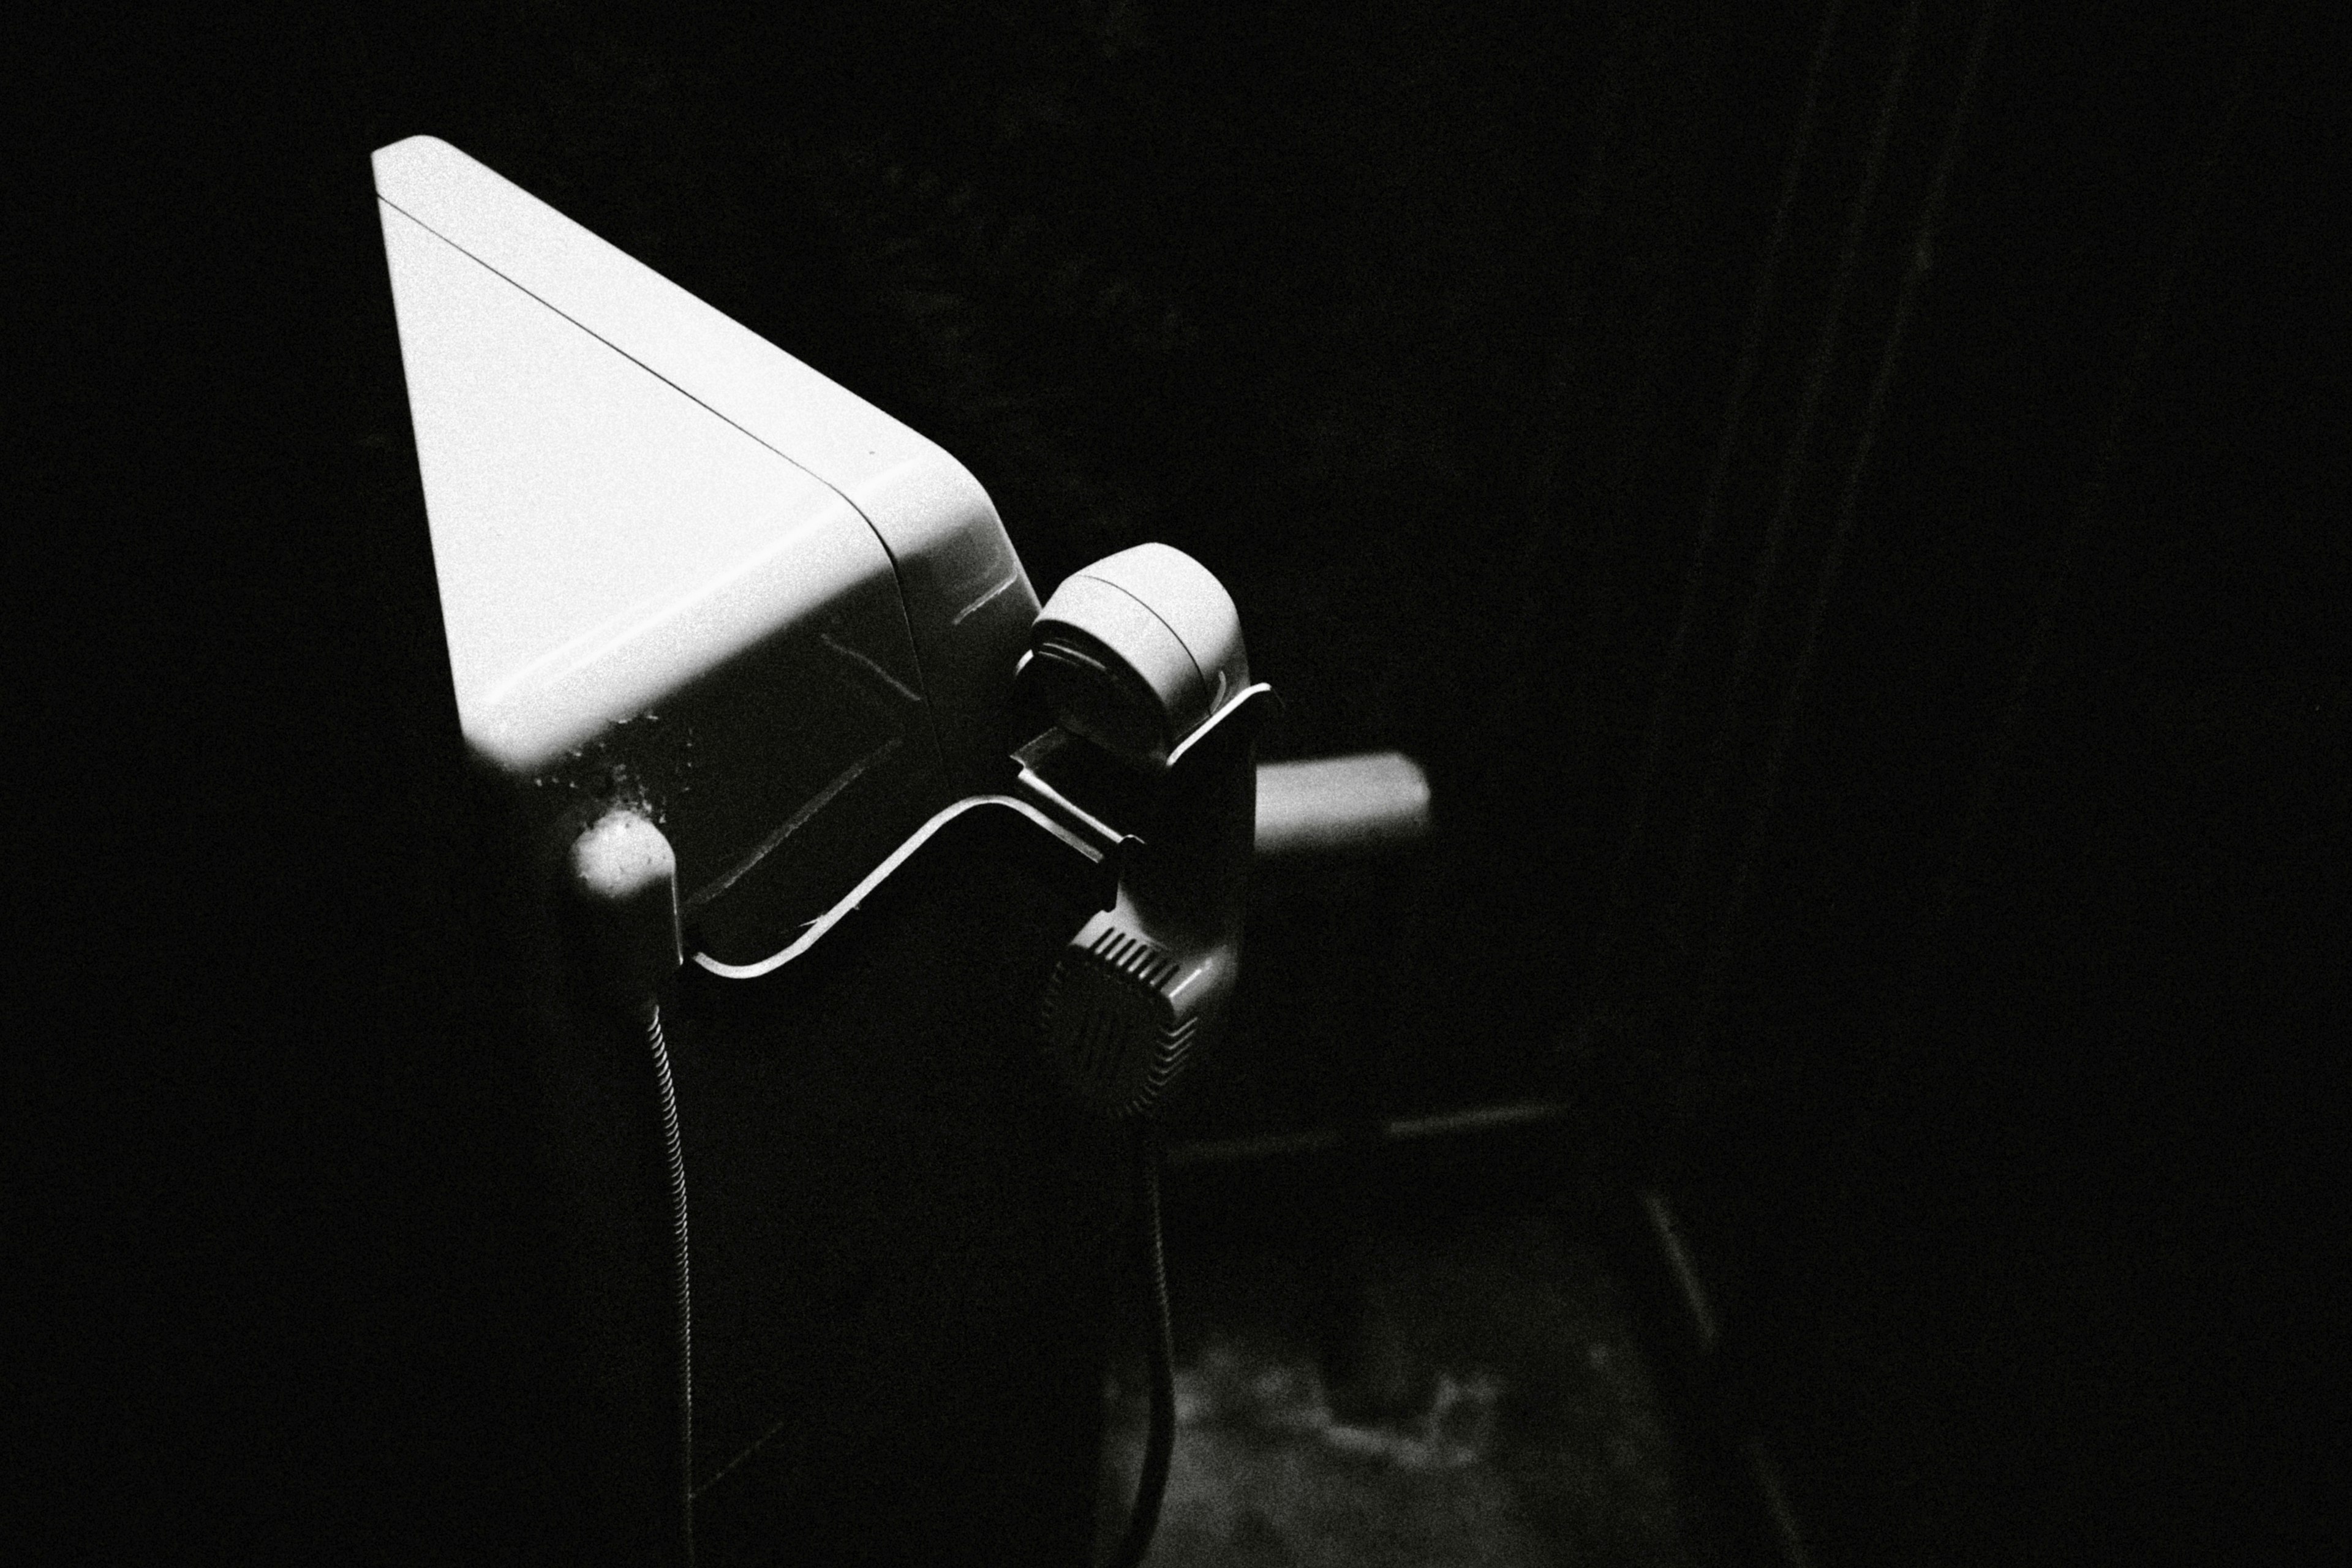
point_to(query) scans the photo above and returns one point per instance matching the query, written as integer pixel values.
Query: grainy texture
(1417, 324)
(1494, 1409)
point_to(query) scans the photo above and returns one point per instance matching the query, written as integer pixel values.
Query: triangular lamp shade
(679, 567)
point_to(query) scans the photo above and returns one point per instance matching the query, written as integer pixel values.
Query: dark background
(1965, 978)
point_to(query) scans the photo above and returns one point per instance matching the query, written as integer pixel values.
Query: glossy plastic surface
(679, 570)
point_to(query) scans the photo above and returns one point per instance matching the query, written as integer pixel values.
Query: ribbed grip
(1112, 1021)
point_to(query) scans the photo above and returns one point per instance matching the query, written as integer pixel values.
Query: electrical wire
(1159, 1448)
(673, 1148)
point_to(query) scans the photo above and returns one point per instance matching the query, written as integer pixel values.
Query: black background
(2000, 1094)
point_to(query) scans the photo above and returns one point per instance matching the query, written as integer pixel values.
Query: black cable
(675, 1148)
(1160, 1445)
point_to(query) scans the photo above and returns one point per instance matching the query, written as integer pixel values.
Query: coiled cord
(1160, 1445)
(674, 1148)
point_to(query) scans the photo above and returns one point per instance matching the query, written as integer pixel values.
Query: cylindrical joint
(1138, 651)
(624, 886)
